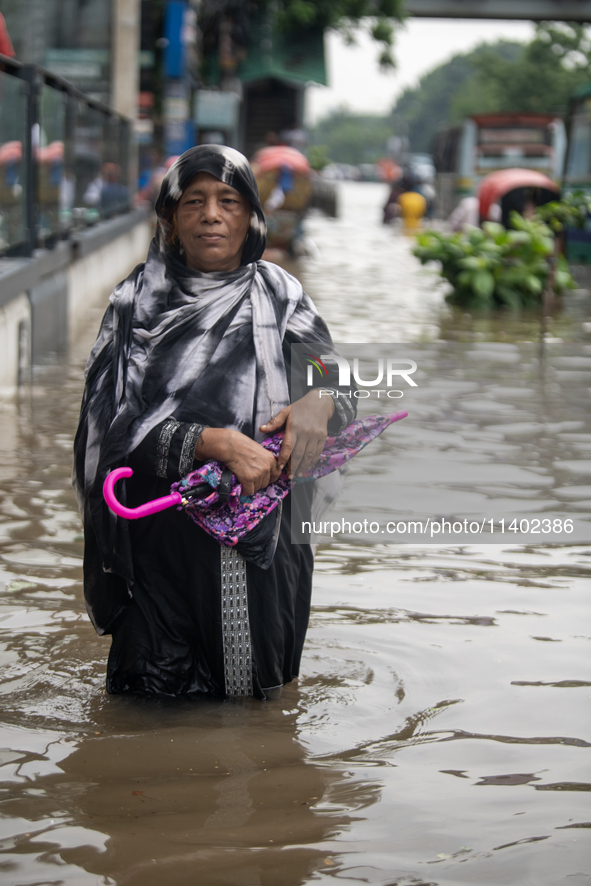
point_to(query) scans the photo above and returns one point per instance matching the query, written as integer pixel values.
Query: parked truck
(485, 143)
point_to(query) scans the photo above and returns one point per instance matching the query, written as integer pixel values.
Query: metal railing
(64, 159)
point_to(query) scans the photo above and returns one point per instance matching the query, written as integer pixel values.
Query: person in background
(404, 182)
(406, 202)
(294, 137)
(106, 193)
(148, 195)
(412, 208)
(467, 214)
(525, 201)
(428, 192)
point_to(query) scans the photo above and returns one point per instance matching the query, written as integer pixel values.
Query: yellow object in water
(413, 207)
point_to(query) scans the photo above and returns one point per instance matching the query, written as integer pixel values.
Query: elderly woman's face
(212, 220)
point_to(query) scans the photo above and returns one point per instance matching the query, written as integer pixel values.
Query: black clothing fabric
(169, 638)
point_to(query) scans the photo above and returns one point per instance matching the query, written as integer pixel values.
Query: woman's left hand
(305, 436)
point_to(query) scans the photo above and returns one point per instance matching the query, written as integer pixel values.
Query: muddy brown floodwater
(439, 733)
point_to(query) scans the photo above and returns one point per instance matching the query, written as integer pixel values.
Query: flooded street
(439, 732)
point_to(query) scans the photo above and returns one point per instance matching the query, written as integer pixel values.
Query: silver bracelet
(188, 449)
(340, 409)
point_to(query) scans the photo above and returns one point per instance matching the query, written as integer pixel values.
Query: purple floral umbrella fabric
(229, 521)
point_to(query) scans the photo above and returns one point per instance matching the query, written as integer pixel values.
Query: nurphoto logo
(387, 370)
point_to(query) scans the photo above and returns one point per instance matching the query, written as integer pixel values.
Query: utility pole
(124, 65)
(125, 72)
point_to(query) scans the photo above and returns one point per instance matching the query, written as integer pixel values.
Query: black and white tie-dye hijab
(228, 166)
(195, 346)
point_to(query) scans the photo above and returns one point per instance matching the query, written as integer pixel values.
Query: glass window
(53, 189)
(115, 185)
(88, 149)
(13, 116)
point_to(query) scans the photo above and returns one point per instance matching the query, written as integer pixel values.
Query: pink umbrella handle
(145, 510)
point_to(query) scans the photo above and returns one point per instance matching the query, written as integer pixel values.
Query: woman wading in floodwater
(192, 364)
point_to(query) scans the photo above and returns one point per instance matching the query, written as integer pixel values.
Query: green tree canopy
(544, 74)
(449, 93)
(352, 138)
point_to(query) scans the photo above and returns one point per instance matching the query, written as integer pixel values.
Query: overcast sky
(422, 44)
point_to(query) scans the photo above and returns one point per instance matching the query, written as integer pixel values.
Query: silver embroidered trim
(188, 449)
(168, 431)
(235, 623)
(343, 408)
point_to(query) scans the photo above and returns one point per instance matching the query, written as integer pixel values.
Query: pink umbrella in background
(11, 152)
(278, 156)
(52, 153)
(213, 499)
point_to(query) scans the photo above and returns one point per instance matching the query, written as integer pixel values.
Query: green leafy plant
(492, 266)
(569, 212)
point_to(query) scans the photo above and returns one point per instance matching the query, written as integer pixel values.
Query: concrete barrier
(93, 275)
(15, 338)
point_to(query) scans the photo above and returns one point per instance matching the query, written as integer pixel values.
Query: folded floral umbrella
(214, 500)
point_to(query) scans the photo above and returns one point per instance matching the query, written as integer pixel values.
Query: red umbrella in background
(497, 184)
(390, 171)
(278, 156)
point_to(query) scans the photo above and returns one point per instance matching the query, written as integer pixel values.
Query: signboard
(87, 69)
(216, 110)
(178, 127)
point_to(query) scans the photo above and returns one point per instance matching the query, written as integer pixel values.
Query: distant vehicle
(485, 143)
(577, 173)
(341, 172)
(370, 172)
(422, 166)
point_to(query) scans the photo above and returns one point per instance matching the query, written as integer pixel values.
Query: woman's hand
(305, 424)
(253, 466)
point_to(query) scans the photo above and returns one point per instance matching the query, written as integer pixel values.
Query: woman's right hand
(251, 464)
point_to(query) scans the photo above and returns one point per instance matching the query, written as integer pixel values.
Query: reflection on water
(438, 735)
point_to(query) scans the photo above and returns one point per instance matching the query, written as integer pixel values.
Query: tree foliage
(544, 74)
(352, 138)
(377, 17)
(345, 16)
(447, 94)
